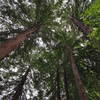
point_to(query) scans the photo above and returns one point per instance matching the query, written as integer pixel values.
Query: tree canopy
(50, 48)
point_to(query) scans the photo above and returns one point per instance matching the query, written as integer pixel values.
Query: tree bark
(79, 84)
(11, 44)
(19, 88)
(85, 29)
(58, 85)
(66, 83)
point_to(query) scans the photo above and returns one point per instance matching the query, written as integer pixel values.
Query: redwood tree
(79, 83)
(11, 44)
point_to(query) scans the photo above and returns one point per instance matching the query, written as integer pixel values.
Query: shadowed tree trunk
(19, 88)
(79, 84)
(81, 26)
(66, 83)
(58, 85)
(9, 45)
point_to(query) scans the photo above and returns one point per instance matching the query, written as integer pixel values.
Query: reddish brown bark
(79, 84)
(19, 88)
(11, 44)
(81, 26)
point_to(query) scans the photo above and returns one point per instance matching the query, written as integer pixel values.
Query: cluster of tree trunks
(11, 44)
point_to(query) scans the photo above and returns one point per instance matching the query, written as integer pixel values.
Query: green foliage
(44, 51)
(92, 18)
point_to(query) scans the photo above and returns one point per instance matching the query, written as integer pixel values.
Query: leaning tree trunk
(11, 44)
(19, 88)
(85, 29)
(79, 84)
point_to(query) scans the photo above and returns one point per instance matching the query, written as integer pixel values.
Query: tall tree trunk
(66, 83)
(19, 88)
(79, 84)
(85, 29)
(58, 85)
(11, 44)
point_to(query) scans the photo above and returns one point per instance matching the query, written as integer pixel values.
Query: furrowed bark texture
(79, 84)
